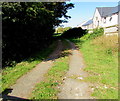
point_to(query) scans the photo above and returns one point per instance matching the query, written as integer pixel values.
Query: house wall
(97, 20)
(110, 20)
(108, 23)
(90, 26)
(111, 30)
(84, 27)
(81, 25)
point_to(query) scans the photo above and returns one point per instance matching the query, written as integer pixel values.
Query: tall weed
(89, 36)
(109, 44)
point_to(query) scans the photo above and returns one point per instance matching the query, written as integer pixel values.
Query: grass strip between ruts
(48, 88)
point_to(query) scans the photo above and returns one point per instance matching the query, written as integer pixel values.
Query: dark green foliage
(28, 27)
(74, 33)
(96, 32)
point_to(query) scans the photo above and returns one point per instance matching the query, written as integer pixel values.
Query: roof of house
(88, 22)
(106, 11)
(82, 23)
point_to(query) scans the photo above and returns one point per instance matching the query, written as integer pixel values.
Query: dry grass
(107, 42)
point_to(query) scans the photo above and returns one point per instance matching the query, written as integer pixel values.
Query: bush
(96, 32)
(74, 33)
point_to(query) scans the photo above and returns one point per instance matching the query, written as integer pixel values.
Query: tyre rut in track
(25, 84)
(75, 88)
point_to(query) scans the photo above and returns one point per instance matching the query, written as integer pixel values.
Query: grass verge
(101, 58)
(11, 74)
(49, 88)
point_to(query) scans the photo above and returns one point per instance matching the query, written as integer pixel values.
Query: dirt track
(73, 88)
(25, 84)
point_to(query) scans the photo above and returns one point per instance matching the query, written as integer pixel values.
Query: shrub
(74, 33)
(96, 32)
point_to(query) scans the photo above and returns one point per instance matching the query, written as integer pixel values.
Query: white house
(106, 17)
(87, 24)
(81, 25)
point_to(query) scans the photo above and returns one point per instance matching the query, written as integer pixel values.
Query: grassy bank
(11, 74)
(101, 58)
(49, 88)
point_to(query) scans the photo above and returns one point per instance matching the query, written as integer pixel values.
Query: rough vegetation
(101, 57)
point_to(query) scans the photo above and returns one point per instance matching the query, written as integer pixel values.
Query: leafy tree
(28, 27)
(59, 10)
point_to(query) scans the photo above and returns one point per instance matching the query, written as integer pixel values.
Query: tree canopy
(28, 27)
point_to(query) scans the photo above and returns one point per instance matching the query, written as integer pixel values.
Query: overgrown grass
(101, 58)
(11, 74)
(48, 89)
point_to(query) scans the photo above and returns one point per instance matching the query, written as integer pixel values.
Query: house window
(110, 18)
(104, 20)
(98, 23)
(96, 18)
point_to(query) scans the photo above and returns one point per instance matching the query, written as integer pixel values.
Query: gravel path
(73, 86)
(25, 84)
